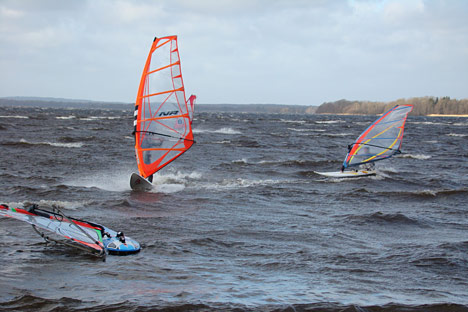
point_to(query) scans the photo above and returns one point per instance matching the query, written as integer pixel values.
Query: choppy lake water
(241, 221)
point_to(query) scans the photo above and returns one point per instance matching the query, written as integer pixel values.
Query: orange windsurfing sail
(162, 123)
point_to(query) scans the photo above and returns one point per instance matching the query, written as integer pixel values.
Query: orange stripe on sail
(163, 92)
(164, 67)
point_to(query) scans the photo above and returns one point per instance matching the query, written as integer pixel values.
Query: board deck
(116, 246)
(138, 183)
(348, 174)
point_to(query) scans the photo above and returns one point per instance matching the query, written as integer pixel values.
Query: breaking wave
(16, 117)
(328, 121)
(55, 144)
(220, 131)
(416, 156)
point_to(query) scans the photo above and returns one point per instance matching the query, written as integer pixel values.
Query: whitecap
(227, 131)
(329, 121)
(301, 130)
(221, 131)
(16, 117)
(61, 204)
(56, 144)
(240, 161)
(339, 134)
(65, 117)
(92, 118)
(169, 188)
(416, 156)
(48, 204)
(461, 135)
(427, 123)
(293, 121)
(118, 181)
(178, 176)
(227, 184)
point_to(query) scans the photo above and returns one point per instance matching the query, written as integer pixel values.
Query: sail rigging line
(166, 135)
(57, 214)
(49, 239)
(74, 222)
(57, 217)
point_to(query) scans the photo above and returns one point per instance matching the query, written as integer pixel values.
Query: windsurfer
(370, 166)
(121, 237)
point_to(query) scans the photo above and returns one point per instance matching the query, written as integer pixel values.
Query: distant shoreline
(448, 115)
(430, 115)
(425, 106)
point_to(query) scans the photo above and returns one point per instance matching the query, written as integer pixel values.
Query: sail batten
(164, 67)
(391, 124)
(163, 129)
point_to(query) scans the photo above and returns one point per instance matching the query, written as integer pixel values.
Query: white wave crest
(416, 156)
(16, 117)
(301, 130)
(293, 121)
(427, 123)
(48, 204)
(108, 181)
(175, 177)
(169, 188)
(91, 118)
(339, 134)
(73, 145)
(65, 117)
(118, 181)
(228, 184)
(221, 131)
(240, 161)
(428, 192)
(461, 135)
(328, 121)
(69, 205)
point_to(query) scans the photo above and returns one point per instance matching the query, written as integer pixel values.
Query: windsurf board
(138, 183)
(348, 174)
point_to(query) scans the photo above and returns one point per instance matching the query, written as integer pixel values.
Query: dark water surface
(241, 221)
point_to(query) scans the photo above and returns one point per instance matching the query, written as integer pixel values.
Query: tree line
(423, 106)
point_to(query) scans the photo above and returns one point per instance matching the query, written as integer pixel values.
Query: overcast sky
(238, 51)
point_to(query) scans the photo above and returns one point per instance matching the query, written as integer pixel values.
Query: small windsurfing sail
(381, 140)
(163, 116)
(191, 106)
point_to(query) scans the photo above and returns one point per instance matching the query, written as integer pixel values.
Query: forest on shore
(423, 106)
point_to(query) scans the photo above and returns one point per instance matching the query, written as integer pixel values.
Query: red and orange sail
(162, 123)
